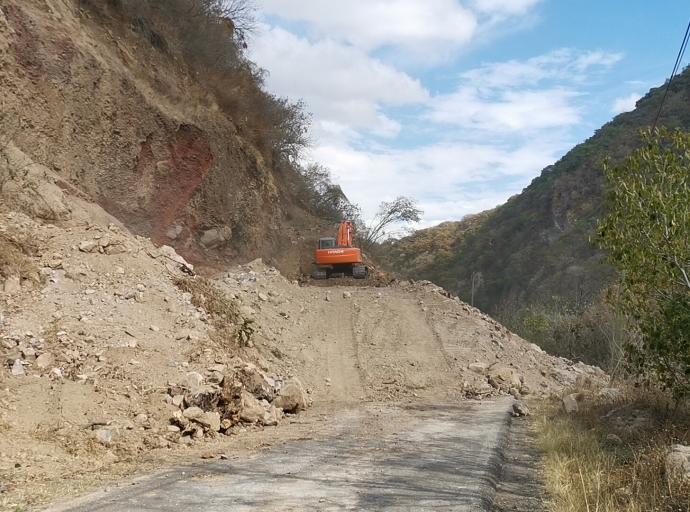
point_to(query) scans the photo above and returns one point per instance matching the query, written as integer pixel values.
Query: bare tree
(401, 209)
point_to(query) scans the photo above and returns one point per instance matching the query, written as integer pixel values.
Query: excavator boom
(345, 232)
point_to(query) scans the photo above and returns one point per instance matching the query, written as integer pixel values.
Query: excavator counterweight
(338, 256)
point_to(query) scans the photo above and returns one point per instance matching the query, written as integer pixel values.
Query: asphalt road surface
(446, 457)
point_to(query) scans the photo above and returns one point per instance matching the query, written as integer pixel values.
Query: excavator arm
(345, 232)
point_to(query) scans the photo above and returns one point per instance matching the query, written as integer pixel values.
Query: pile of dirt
(107, 360)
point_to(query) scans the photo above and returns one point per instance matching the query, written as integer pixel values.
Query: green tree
(646, 231)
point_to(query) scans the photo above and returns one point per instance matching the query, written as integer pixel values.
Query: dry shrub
(211, 37)
(586, 469)
(225, 316)
(16, 251)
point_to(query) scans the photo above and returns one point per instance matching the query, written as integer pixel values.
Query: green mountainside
(535, 247)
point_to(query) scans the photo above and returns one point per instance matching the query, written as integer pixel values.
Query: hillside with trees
(530, 261)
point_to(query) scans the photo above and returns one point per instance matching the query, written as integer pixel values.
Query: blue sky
(460, 104)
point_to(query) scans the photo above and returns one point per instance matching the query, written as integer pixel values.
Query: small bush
(313, 185)
(229, 326)
(588, 334)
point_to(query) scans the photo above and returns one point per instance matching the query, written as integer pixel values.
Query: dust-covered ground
(117, 360)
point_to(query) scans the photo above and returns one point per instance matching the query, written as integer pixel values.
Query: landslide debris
(112, 354)
(116, 357)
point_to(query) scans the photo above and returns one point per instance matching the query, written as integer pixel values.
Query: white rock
(610, 393)
(12, 285)
(520, 409)
(252, 410)
(192, 413)
(17, 367)
(477, 368)
(211, 420)
(110, 457)
(292, 397)
(247, 312)
(678, 461)
(183, 334)
(565, 377)
(104, 436)
(193, 379)
(87, 246)
(169, 252)
(29, 354)
(570, 403)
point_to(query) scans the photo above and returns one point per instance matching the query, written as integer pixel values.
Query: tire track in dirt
(337, 348)
(399, 352)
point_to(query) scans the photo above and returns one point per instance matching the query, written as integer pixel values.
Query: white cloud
(506, 111)
(450, 180)
(564, 65)
(340, 84)
(520, 96)
(503, 7)
(466, 150)
(625, 104)
(369, 24)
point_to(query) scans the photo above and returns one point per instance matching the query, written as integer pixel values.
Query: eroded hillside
(125, 125)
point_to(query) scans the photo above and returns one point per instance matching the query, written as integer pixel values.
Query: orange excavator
(339, 256)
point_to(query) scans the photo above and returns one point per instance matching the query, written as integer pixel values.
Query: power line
(679, 59)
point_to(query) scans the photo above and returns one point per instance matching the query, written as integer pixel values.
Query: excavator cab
(338, 256)
(326, 243)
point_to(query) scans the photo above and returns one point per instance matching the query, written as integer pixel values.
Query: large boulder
(564, 377)
(505, 378)
(292, 397)
(252, 411)
(678, 462)
(570, 403)
(254, 382)
(204, 397)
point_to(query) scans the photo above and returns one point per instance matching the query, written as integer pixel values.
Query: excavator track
(319, 273)
(360, 271)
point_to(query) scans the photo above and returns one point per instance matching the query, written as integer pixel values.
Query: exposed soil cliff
(125, 125)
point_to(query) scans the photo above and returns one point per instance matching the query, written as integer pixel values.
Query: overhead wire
(679, 59)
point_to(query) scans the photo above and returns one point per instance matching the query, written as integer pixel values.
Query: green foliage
(316, 191)
(646, 232)
(560, 327)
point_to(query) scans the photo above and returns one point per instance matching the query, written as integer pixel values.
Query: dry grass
(586, 471)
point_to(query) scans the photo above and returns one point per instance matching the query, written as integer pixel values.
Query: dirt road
(440, 458)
